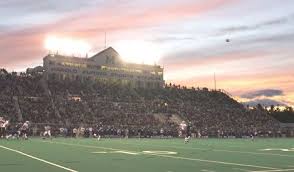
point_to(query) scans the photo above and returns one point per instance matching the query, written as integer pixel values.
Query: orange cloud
(196, 60)
(238, 85)
(18, 47)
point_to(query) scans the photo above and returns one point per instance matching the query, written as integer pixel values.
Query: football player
(2, 128)
(188, 133)
(24, 130)
(47, 132)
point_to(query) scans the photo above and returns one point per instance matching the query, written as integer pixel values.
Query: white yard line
(173, 157)
(38, 159)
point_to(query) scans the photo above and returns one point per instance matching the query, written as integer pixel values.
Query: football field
(147, 155)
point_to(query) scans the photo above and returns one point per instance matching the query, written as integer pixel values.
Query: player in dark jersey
(140, 133)
(188, 133)
(253, 135)
(13, 131)
(98, 131)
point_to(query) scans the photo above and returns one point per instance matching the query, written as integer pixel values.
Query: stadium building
(105, 66)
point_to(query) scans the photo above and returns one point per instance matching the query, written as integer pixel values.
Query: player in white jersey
(186, 131)
(3, 125)
(253, 135)
(182, 128)
(47, 132)
(6, 123)
(24, 130)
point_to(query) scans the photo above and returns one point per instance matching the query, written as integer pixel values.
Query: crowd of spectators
(118, 108)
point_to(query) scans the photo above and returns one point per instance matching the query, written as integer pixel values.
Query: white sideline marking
(160, 152)
(127, 152)
(98, 152)
(138, 153)
(278, 149)
(240, 169)
(274, 170)
(167, 156)
(42, 160)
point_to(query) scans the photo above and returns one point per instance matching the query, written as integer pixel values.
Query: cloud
(277, 38)
(264, 102)
(4, 28)
(171, 38)
(32, 6)
(206, 57)
(26, 44)
(265, 92)
(273, 22)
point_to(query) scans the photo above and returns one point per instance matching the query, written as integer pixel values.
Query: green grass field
(146, 155)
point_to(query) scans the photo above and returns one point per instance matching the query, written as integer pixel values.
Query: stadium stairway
(16, 105)
(176, 119)
(160, 117)
(56, 111)
(163, 118)
(44, 85)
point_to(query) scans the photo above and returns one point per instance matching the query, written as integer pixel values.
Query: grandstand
(129, 109)
(74, 103)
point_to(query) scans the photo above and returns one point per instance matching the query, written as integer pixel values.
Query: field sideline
(147, 155)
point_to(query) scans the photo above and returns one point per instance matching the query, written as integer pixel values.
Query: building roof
(106, 51)
(108, 56)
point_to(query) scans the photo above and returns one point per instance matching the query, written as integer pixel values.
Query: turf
(126, 155)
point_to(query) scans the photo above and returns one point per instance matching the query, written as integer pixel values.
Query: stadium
(119, 117)
(146, 86)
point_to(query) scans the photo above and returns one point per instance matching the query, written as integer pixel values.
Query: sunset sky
(187, 37)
